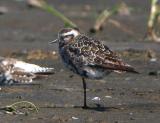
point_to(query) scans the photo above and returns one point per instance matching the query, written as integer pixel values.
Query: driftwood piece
(106, 14)
(153, 20)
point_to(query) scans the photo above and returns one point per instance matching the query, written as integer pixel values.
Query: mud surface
(124, 98)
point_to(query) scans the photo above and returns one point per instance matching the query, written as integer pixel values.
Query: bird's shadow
(97, 107)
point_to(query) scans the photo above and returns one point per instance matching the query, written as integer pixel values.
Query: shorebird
(16, 71)
(88, 57)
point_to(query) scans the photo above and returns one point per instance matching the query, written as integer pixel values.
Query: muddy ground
(124, 98)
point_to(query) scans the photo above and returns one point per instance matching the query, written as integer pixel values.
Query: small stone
(75, 118)
(130, 113)
(3, 10)
(153, 60)
(108, 96)
(96, 99)
(54, 52)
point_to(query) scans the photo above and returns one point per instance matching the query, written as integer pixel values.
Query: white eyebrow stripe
(73, 32)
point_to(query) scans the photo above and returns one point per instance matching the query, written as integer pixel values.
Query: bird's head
(66, 36)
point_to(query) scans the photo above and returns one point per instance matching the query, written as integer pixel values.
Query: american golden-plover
(88, 57)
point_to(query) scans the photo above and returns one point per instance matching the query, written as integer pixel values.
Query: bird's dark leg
(84, 88)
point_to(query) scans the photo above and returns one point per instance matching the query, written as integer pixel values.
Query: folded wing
(96, 54)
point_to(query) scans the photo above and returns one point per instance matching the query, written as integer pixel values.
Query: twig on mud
(19, 107)
(153, 19)
(104, 15)
(43, 5)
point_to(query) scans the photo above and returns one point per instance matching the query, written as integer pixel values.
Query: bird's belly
(95, 73)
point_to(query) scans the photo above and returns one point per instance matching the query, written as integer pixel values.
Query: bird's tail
(126, 68)
(131, 70)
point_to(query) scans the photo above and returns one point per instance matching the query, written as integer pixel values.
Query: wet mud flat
(124, 98)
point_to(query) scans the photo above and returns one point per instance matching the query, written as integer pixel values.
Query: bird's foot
(85, 107)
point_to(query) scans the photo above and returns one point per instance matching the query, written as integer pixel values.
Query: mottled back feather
(91, 52)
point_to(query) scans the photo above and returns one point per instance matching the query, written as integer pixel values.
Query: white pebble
(75, 118)
(153, 60)
(108, 96)
(130, 113)
(54, 52)
(96, 98)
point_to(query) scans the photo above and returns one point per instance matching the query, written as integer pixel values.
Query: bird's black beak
(54, 41)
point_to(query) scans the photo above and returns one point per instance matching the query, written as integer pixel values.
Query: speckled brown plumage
(88, 57)
(81, 53)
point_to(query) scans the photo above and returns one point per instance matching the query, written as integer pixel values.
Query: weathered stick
(155, 11)
(103, 17)
(17, 106)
